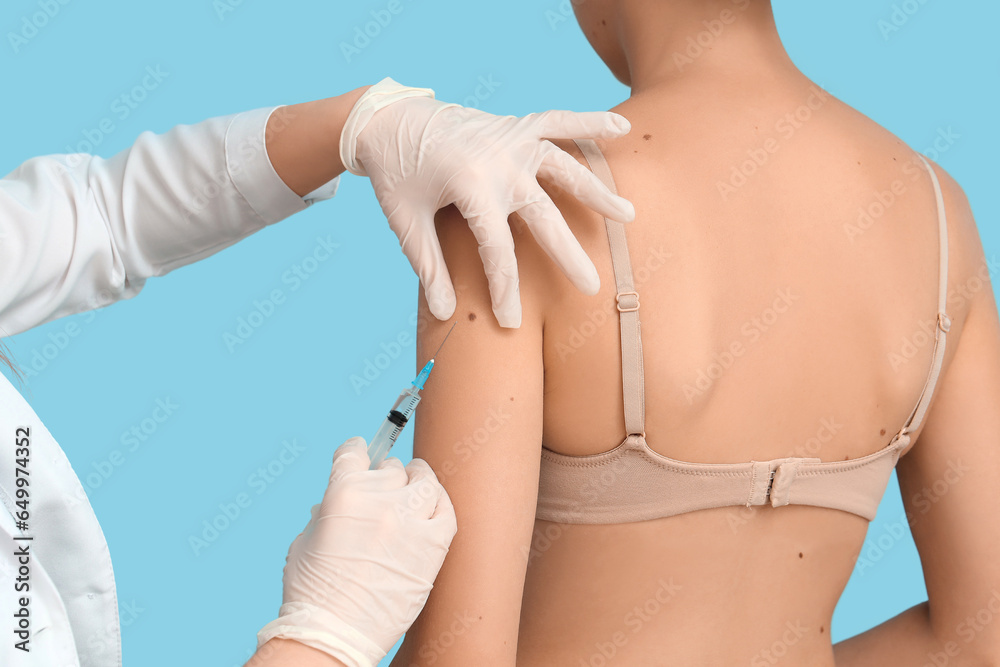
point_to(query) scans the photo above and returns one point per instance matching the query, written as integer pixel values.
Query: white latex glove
(358, 575)
(422, 155)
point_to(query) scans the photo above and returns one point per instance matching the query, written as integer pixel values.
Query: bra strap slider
(627, 309)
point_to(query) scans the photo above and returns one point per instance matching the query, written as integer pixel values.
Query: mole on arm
(821, 628)
(882, 432)
(647, 137)
(800, 554)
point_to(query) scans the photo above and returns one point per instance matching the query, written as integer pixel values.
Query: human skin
(731, 585)
(303, 140)
(288, 653)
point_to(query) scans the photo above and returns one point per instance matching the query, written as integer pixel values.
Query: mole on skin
(472, 316)
(647, 137)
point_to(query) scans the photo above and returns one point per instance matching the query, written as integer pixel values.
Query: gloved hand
(358, 575)
(422, 155)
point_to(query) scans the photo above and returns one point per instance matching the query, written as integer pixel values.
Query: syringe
(401, 412)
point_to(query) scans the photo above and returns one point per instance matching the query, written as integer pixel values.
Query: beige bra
(634, 483)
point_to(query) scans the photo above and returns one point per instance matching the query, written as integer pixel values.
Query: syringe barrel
(393, 425)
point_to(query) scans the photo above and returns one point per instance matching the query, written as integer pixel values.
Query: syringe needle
(445, 339)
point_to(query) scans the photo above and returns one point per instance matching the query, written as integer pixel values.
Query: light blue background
(291, 379)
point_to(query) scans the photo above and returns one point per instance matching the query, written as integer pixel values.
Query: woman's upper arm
(479, 426)
(950, 480)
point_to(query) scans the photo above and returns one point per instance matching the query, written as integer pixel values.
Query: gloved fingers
(445, 524)
(310, 525)
(562, 169)
(496, 248)
(351, 456)
(419, 242)
(556, 239)
(423, 488)
(392, 469)
(580, 125)
(391, 463)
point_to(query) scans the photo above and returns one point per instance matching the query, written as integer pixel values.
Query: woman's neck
(669, 42)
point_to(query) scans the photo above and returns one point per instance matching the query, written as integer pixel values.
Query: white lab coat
(79, 232)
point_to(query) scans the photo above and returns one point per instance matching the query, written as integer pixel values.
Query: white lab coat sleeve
(79, 232)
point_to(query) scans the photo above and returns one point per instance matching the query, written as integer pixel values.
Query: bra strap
(627, 300)
(943, 322)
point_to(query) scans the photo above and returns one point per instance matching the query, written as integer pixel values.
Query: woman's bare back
(788, 306)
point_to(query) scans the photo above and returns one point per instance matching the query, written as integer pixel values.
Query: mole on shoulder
(800, 554)
(847, 458)
(647, 137)
(603, 22)
(512, 398)
(472, 316)
(821, 628)
(882, 432)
